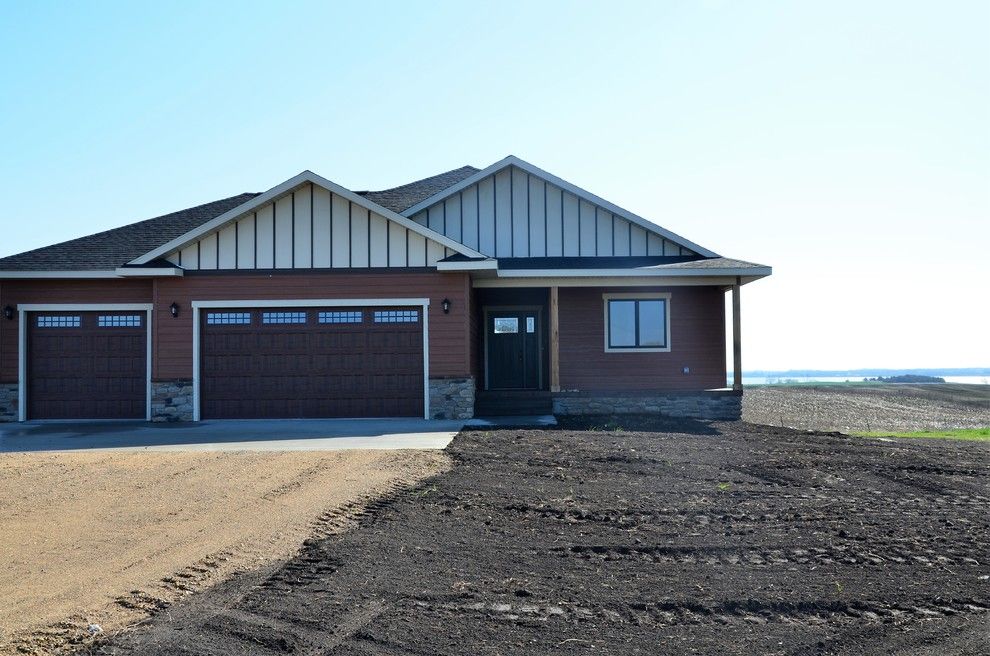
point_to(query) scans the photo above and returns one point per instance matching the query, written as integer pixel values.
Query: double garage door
(311, 362)
(254, 363)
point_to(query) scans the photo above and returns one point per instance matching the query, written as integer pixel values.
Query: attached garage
(311, 362)
(86, 364)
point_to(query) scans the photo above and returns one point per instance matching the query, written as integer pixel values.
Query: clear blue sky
(844, 143)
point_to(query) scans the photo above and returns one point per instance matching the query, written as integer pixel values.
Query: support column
(554, 340)
(736, 338)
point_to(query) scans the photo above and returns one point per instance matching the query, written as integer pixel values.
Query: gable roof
(107, 250)
(280, 190)
(512, 160)
(399, 198)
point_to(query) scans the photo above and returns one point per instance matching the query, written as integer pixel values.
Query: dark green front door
(513, 350)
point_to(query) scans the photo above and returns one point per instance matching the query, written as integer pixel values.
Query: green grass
(974, 434)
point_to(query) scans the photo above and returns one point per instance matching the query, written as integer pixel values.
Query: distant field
(975, 434)
(869, 407)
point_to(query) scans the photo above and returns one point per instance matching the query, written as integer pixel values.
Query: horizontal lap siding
(449, 352)
(14, 292)
(697, 338)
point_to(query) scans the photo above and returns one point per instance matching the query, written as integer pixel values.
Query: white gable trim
(280, 190)
(512, 160)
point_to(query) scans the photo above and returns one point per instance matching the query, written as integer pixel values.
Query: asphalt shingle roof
(110, 249)
(399, 199)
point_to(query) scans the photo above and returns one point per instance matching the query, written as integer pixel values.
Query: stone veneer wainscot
(452, 398)
(172, 400)
(712, 405)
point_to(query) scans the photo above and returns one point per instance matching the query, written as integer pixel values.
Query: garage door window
(119, 321)
(228, 318)
(283, 317)
(340, 317)
(396, 316)
(58, 322)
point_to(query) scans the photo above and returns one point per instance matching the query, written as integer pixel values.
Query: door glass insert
(506, 325)
(530, 324)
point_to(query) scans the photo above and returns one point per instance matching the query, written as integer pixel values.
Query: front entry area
(311, 362)
(514, 349)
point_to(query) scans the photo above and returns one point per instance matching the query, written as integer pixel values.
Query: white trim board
(24, 308)
(512, 160)
(16, 275)
(280, 190)
(423, 303)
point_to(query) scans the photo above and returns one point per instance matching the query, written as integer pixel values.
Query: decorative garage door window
(58, 322)
(228, 318)
(119, 321)
(283, 317)
(396, 316)
(347, 316)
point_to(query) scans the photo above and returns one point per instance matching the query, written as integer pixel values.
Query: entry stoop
(509, 403)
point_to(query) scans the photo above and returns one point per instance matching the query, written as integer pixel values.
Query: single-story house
(505, 290)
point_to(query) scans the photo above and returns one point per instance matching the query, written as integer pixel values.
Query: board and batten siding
(513, 213)
(310, 228)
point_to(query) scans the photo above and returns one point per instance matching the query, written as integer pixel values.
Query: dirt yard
(721, 539)
(105, 537)
(869, 407)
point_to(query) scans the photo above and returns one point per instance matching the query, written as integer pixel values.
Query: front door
(513, 349)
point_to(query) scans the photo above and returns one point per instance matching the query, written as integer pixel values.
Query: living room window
(637, 322)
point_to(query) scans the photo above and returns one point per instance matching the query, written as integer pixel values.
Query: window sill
(638, 350)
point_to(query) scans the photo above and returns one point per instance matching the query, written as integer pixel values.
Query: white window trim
(423, 303)
(22, 324)
(646, 296)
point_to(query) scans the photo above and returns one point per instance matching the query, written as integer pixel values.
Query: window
(348, 316)
(119, 321)
(283, 317)
(505, 325)
(58, 322)
(227, 318)
(396, 316)
(639, 323)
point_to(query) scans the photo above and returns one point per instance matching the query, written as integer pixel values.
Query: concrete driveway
(231, 435)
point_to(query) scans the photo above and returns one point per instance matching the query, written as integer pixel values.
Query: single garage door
(311, 362)
(87, 365)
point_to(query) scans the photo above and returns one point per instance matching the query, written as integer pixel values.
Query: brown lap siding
(14, 292)
(697, 338)
(449, 353)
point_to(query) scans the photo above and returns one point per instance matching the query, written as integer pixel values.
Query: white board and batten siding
(310, 228)
(513, 213)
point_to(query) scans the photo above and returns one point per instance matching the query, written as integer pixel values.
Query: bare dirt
(868, 408)
(727, 538)
(107, 537)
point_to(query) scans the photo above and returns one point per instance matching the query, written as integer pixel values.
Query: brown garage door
(87, 365)
(311, 362)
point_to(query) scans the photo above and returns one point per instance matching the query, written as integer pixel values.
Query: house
(503, 290)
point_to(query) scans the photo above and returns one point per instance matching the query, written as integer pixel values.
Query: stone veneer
(452, 398)
(8, 401)
(172, 400)
(708, 405)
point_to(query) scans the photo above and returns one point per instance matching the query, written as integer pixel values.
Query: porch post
(554, 341)
(736, 338)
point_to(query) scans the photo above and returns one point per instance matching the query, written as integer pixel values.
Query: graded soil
(725, 538)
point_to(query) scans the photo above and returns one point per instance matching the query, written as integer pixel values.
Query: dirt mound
(734, 539)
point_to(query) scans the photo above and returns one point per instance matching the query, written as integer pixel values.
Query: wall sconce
(445, 304)
(174, 309)
(8, 313)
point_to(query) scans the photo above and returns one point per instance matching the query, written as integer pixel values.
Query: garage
(311, 362)
(87, 365)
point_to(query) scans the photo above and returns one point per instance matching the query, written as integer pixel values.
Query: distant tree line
(905, 378)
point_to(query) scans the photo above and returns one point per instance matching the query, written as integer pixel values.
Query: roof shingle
(110, 249)
(402, 198)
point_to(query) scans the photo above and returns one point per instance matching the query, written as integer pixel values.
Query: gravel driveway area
(107, 537)
(727, 538)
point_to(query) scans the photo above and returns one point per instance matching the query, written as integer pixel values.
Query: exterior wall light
(8, 313)
(445, 304)
(174, 309)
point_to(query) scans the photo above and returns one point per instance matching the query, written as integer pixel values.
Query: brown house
(498, 291)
